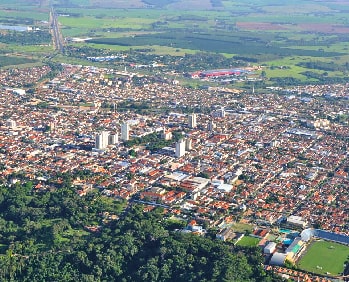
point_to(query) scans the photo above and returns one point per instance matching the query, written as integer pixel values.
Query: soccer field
(324, 257)
(248, 241)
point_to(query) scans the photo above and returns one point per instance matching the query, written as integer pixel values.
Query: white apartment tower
(192, 120)
(102, 140)
(188, 144)
(180, 148)
(125, 131)
(221, 113)
(113, 139)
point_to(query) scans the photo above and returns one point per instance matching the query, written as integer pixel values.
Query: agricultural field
(257, 32)
(324, 257)
(12, 61)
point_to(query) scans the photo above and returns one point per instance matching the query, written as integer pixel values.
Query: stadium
(309, 234)
(316, 251)
(326, 254)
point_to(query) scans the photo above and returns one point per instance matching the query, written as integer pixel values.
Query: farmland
(258, 32)
(10, 61)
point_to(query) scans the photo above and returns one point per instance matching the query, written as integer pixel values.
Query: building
(188, 144)
(296, 221)
(180, 148)
(270, 248)
(226, 234)
(102, 140)
(211, 125)
(319, 124)
(113, 139)
(11, 123)
(166, 134)
(125, 132)
(219, 113)
(278, 259)
(192, 121)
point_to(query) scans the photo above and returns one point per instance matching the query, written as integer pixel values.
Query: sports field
(248, 241)
(324, 257)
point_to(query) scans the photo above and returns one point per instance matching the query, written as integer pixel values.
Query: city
(209, 157)
(174, 140)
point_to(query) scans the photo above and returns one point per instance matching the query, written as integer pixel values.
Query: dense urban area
(170, 141)
(208, 160)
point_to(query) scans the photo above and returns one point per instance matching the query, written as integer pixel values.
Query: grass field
(242, 227)
(248, 241)
(325, 257)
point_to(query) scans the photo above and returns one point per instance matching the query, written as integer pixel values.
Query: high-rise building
(192, 120)
(221, 112)
(125, 131)
(188, 144)
(166, 134)
(102, 140)
(11, 123)
(211, 125)
(113, 139)
(180, 148)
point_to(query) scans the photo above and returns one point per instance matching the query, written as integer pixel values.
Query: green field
(242, 227)
(12, 61)
(248, 241)
(323, 257)
(256, 32)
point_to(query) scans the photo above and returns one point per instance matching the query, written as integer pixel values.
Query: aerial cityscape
(174, 141)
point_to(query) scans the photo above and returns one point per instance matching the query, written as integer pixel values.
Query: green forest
(61, 236)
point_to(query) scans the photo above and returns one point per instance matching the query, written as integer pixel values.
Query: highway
(56, 35)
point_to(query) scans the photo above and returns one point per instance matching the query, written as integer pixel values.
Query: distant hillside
(159, 3)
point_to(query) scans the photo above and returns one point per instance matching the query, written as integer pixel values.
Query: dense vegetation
(43, 237)
(241, 43)
(154, 141)
(10, 61)
(26, 38)
(189, 62)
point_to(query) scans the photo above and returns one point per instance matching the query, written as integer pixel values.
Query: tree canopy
(60, 236)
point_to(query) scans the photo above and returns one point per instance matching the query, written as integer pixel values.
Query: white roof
(278, 259)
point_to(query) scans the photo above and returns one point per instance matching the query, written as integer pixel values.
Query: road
(56, 34)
